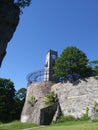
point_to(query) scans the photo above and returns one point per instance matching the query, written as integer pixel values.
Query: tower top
(51, 56)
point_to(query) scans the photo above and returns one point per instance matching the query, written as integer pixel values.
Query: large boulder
(9, 19)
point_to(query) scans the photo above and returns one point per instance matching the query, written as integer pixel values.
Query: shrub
(50, 98)
(32, 101)
(96, 77)
(85, 115)
(66, 118)
(95, 103)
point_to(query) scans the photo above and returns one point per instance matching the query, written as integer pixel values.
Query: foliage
(87, 109)
(94, 62)
(85, 115)
(21, 94)
(50, 98)
(95, 103)
(22, 3)
(11, 102)
(19, 102)
(72, 118)
(7, 93)
(66, 118)
(72, 65)
(32, 101)
(96, 69)
(94, 65)
(96, 77)
(97, 111)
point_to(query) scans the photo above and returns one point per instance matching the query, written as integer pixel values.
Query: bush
(32, 101)
(50, 98)
(95, 103)
(96, 77)
(66, 118)
(84, 117)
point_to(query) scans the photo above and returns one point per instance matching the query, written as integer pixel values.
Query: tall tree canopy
(19, 102)
(72, 64)
(94, 65)
(22, 3)
(7, 93)
(11, 101)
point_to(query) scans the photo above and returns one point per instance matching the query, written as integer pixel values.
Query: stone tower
(49, 64)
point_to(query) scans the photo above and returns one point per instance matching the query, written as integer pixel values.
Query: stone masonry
(73, 99)
(39, 91)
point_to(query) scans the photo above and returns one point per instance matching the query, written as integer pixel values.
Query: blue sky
(50, 24)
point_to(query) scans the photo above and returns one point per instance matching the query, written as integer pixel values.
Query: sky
(50, 24)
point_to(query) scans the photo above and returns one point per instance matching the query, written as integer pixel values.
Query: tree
(21, 94)
(10, 11)
(72, 64)
(7, 93)
(11, 101)
(19, 102)
(94, 65)
(22, 3)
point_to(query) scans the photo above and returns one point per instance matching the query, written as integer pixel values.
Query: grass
(68, 125)
(83, 126)
(16, 125)
(73, 125)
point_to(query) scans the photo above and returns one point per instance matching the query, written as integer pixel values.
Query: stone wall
(74, 99)
(33, 113)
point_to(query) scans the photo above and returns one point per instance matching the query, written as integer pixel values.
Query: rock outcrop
(9, 19)
(73, 100)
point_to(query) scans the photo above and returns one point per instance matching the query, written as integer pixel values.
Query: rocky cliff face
(9, 19)
(73, 100)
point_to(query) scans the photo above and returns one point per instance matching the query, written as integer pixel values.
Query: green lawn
(82, 126)
(16, 126)
(70, 125)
